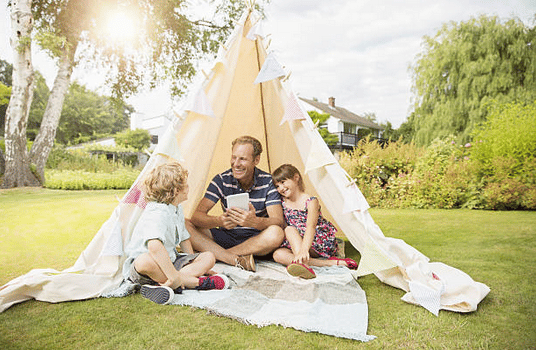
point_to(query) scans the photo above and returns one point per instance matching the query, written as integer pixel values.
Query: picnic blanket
(333, 303)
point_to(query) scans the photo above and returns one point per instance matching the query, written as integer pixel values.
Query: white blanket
(333, 303)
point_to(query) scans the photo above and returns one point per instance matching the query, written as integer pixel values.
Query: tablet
(240, 200)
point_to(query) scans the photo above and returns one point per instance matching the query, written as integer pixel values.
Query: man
(237, 234)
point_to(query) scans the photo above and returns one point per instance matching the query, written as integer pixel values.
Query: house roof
(343, 114)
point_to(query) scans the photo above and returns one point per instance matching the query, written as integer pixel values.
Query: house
(348, 127)
(156, 125)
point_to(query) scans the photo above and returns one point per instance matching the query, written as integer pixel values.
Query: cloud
(360, 51)
(356, 51)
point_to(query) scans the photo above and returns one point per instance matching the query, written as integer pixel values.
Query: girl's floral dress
(324, 243)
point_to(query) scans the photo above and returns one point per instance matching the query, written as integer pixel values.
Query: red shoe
(350, 263)
(300, 270)
(213, 282)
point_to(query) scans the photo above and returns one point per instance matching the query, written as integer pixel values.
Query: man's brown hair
(242, 140)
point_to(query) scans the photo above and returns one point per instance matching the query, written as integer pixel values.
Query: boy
(152, 258)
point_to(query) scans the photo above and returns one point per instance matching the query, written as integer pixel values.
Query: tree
(87, 115)
(320, 119)
(39, 103)
(6, 71)
(165, 47)
(389, 133)
(17, 163)
(464, 66)
(139, 139)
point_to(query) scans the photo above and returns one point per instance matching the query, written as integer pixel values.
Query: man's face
(243, 163)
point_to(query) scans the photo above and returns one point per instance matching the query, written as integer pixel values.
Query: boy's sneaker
(246, 262)
(213, 282)
(159, 294)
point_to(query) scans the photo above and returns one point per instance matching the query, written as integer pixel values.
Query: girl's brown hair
(163, 182)
(285, 172)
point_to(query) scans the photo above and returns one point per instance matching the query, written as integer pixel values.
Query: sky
(358, 51)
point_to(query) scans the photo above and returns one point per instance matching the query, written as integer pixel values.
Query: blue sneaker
(159, 294)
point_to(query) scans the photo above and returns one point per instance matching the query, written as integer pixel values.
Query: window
(350, 128)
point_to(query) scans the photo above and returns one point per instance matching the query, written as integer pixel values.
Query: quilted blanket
(333, 303)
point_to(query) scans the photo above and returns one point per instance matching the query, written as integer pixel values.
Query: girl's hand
(302, 257)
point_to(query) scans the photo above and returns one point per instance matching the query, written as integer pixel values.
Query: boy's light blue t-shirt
(164, 222)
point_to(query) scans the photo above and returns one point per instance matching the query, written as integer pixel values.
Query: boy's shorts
(228, 239)
(181, 261)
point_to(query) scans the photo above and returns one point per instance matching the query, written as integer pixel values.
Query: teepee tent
(246, 93)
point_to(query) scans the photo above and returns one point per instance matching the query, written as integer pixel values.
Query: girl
(309, 237)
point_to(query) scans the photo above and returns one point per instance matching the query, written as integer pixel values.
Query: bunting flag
(256, 31)
(199, 104)
(354, 199)
(168, 145)
(373, 260)
(135, 196)
(292, 110)
(319, 155)
(427, 297)
(271, 69)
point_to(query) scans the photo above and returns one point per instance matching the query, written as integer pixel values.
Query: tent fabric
(226, 105)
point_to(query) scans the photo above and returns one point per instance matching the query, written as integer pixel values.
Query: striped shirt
(262, 194)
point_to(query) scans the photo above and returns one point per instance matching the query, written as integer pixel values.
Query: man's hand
(242, 217)
(226, 221)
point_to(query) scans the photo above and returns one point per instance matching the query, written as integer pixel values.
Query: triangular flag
(256, 31)
(427, 297)
(319, 155)
(354, 199)
(373, 260)
(168, 146)
(199, 104)
(292, 110)
(271, 69)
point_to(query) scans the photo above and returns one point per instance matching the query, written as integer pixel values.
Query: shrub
(138, 139)
(83, 180)
(383, 174)
(509, 132)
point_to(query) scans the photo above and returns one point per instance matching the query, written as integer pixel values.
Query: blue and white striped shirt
(262, 194)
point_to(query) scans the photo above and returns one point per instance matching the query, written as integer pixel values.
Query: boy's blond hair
(162, 182)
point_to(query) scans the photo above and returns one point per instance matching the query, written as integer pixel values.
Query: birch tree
(164, 46)
(17, 163)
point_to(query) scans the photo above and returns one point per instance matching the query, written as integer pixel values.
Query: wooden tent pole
(262, 107)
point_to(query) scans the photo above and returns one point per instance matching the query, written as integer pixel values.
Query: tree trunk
(47, 133)
(2, 164)
(18, 173)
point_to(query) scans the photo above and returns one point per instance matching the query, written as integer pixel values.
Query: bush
(509, 132)
(444, 177)
(139, 139)
(78, 170)
(383, 174)
(82, 180)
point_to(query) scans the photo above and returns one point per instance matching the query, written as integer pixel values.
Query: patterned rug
(333, 303)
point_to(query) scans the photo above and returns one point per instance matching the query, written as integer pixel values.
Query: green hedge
(497, 171)
(83, 180)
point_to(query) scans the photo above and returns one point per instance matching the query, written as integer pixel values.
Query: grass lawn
(49, 228)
